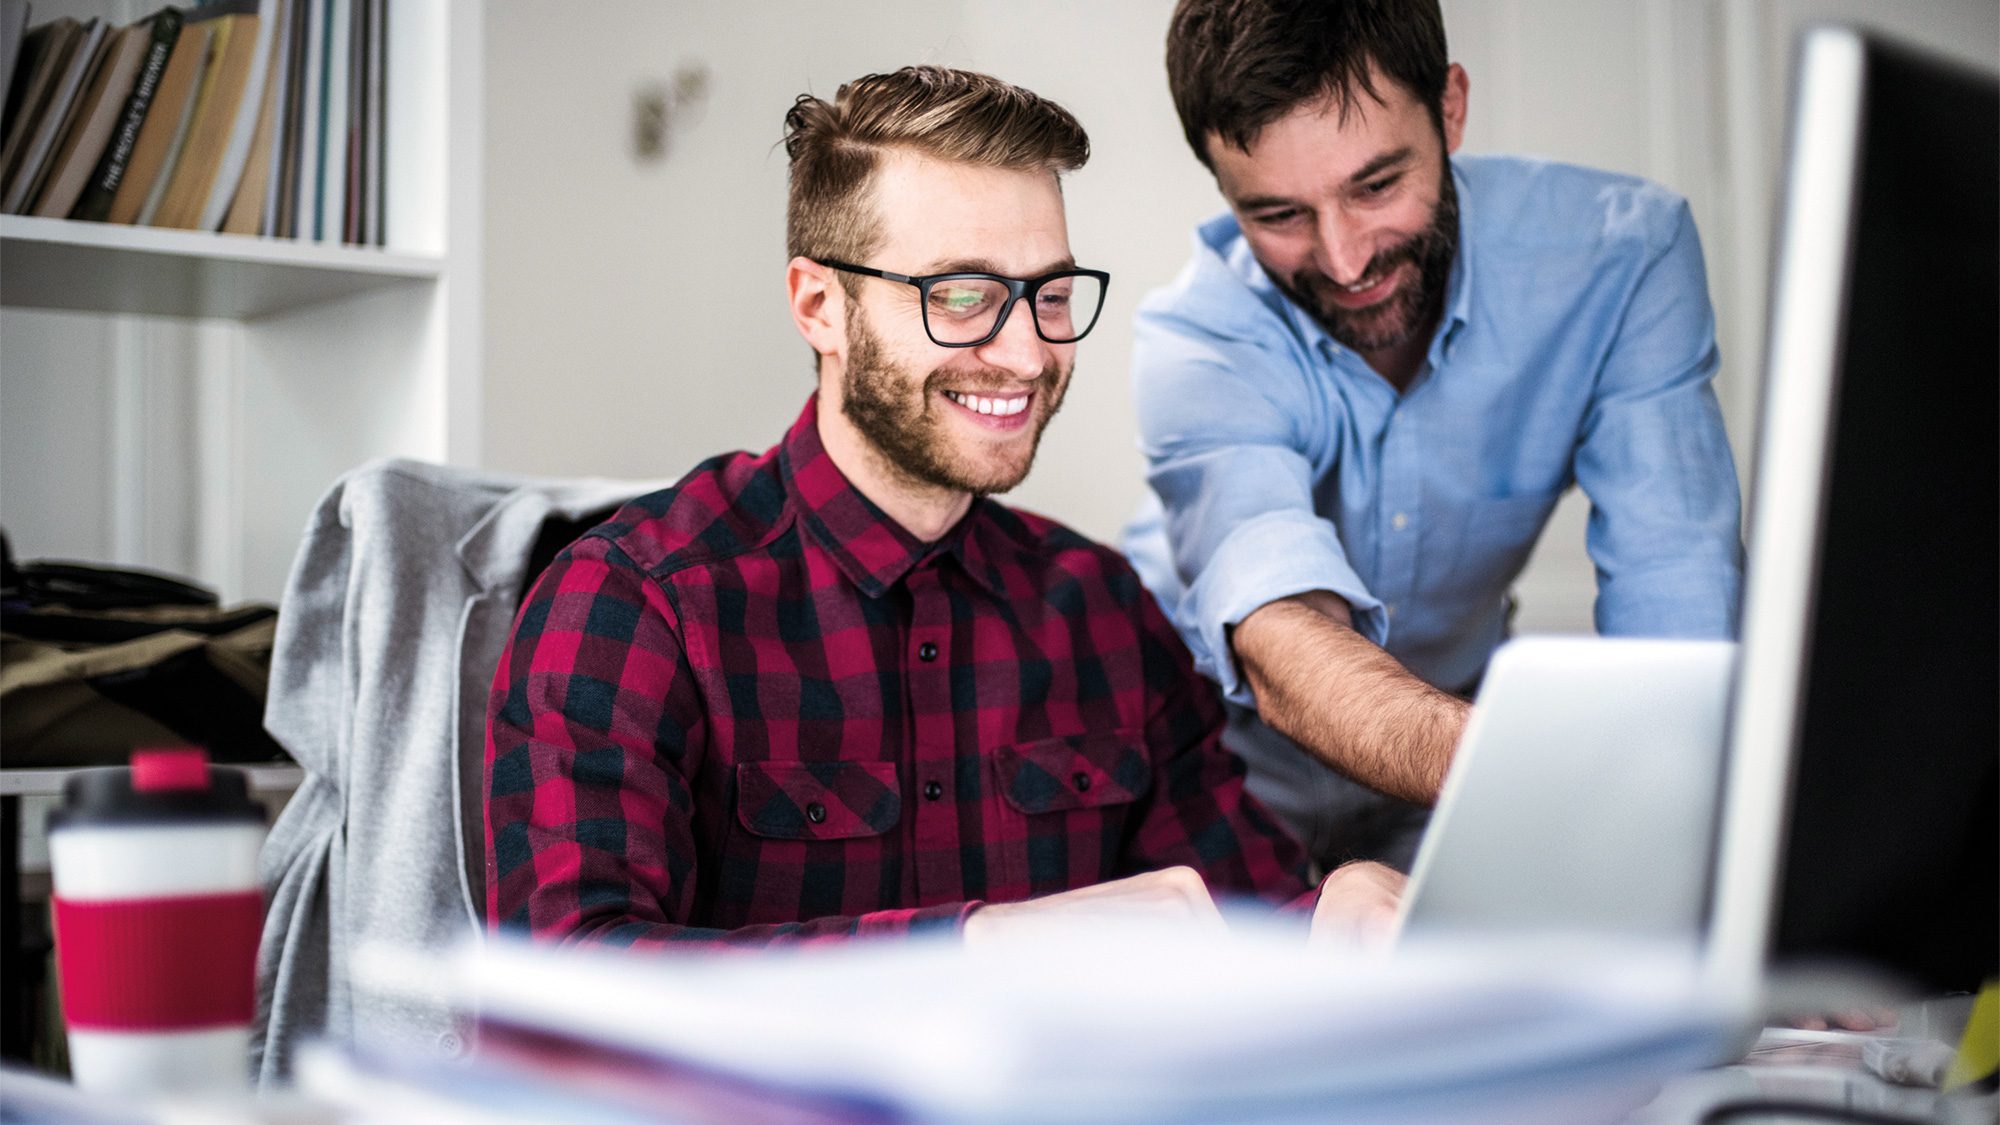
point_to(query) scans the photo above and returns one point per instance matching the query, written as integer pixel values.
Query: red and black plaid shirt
(751, 707)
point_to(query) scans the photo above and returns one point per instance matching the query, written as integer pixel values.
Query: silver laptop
(1583, 795)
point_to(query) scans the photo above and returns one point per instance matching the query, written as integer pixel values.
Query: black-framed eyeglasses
(965, 310)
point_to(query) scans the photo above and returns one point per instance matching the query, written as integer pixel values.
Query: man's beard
(1405, 313)
(876, 396)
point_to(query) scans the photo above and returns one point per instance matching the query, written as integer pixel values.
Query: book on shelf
(161, 30)
(279, 91)
(40, 123)
(312, 89)
(13, 28)
(41, 54)
(283, 221)
(374, 99)
(165, 125)
(45, 144)
(333, 130)
(321, 144)
(246, 209)
(96, 115)
(243, 124)
(260, 117)
(214, 43)
(231, 58)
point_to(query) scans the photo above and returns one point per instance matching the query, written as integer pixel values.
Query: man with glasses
(1363, 398)
(834, 690)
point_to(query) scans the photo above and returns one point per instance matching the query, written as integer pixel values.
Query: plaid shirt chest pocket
(810, 839)
(817, 800)
(1067, 803)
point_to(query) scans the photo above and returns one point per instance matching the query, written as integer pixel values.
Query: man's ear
(1457, 87)
(819, 305)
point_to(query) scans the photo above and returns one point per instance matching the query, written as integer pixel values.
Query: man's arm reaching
(1346, 700)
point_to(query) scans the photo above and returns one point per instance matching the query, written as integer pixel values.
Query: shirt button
(1082, 781)
(927, 652)
(816, 813)
(932, 790)
(1400, 521)
(1390, 609)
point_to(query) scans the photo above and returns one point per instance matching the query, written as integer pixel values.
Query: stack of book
(242, 116)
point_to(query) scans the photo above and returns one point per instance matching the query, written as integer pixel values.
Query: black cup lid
(186, 790)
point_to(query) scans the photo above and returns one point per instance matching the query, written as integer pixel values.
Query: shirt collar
(871, 549)
(1458, 290)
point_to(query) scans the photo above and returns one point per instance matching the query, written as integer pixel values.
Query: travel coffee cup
(157, 916)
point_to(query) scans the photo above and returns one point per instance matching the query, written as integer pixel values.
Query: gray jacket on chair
(395, 615)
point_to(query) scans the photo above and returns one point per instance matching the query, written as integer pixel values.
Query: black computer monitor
(1860, 821)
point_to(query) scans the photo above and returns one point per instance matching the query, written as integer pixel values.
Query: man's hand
(1357, 906)
(1174, 894)
(1344, 699)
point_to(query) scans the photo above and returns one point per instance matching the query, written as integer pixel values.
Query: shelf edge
(215, 247)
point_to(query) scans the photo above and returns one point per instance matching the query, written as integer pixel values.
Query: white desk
(49, 782)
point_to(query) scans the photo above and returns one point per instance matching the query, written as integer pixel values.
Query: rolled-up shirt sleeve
(1655, 461)
(1234, 446)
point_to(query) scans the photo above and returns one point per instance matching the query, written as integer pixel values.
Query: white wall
(1691, 93)
(635, 313)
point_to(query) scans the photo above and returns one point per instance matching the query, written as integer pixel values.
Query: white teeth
(981, 404)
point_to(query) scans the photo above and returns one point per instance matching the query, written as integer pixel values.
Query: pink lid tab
(182, 767)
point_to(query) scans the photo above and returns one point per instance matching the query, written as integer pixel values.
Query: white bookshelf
(250, 371)
(99, 267)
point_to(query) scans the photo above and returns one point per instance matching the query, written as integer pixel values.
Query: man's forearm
(1345, 700)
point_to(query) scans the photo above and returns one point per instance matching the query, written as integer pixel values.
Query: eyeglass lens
(962, 310)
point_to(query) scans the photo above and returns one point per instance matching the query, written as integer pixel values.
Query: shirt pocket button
(816, 813)
(1082, 781)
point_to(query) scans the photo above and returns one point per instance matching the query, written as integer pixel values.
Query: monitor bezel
(1802, 384)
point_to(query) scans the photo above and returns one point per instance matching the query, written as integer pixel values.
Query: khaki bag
(86, 675)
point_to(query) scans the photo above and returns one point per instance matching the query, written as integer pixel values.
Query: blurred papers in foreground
(1116, 1023)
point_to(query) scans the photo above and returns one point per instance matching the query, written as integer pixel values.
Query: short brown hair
(1235, 66)
(936, 111)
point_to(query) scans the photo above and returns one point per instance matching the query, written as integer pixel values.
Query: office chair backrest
(393, 620)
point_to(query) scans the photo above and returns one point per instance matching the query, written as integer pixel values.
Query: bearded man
(834, 690)
(1362, 399)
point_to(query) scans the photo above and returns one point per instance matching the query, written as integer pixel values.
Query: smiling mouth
(990, 404)
(1366, 293)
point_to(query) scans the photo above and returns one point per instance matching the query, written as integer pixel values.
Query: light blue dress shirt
(1577, 346)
